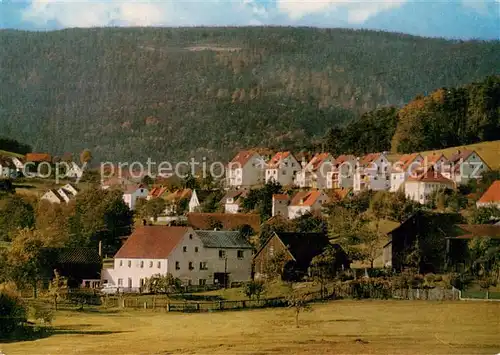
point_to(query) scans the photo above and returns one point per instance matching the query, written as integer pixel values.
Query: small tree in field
(299, 302)
(58, 288)
(254, 288)
(486, 283)
(163, 284)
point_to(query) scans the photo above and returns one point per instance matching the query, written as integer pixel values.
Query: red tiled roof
(461, 154)
(404, 162)
(38, 157)
(429, 175)
(282, 197)
(241, 158)
(433, 158)
(369, 158)
(317, 160)
(229, 221)
(340, 193)
(151, 242)
(492, 195)
(344, 158)
(157, 191)
(305, 198)
(277, 158)
(132, 188)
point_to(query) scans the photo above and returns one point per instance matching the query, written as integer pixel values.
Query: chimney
(100, 248)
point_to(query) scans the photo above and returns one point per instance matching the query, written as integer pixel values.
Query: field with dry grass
(340, 327)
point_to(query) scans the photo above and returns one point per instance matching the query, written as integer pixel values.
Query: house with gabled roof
(424, 182)
(74, 171)
(245, 170)
(63, 194)
(304, 202)
(280, 205)
(438, 162)
(464, 166)
(282, 168)
(297, 251)
(195, 257)
(342, 174)
(491, 198)
(232, 200)
(132, 193)
(314, 174)
(403, 168)
(372, 173)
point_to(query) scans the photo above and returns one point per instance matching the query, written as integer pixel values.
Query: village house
(63, 194)
(342, 174)
(74, 171)
(491, 198)
(280, 205)
(282, 168)
(7, 168)
(304, 202)
(131, 193)
(464, 166)
(403, 168)
(314, 174)
(297, 251)
(372, 173)
(195, 257)
(246, 170)
(18, 163)
(423, 183)
(232, 201)
(438, 162)
(38, 158)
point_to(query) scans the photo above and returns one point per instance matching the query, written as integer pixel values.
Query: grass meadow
(338, 327)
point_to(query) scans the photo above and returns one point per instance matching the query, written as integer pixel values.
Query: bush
(12, 313)
(41, 313)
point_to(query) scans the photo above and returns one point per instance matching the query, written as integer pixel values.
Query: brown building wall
(273, 247)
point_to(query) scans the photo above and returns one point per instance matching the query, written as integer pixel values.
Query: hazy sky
(457, 19)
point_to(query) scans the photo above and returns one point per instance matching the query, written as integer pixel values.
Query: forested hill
(174, 93)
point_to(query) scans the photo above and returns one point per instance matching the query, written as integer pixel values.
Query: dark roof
(152, 242)
(77, 256)
(304, 246)
(229, 221)
(202, 195)
(223, 239)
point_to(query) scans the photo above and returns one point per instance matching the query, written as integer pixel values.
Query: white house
(246, 170)
(306, 202)
(7, 168)
(74, 171)
(282, 168)
(280, 205)
(464, 166)
(232, 201)
(195, 257)
(438, 162)
(491, 198)
(342, 174)
(132, 193)
(314, 174)
(63, 194)
(402, 169)
(372, 173)
(420, 186)
(18, 163)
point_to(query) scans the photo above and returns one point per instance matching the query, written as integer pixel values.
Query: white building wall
(231, 208)
(131, 198)
(472, 168)
(286, 173)
(51, 197)
(297, 211)
(419, 191)
(280, 208)
(131, 271)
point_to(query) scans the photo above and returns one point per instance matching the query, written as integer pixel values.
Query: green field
(340, 327)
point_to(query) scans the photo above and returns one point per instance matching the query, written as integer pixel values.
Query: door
(130, 283)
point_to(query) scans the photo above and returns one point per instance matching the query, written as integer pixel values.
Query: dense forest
(447, 117)
(170, 93)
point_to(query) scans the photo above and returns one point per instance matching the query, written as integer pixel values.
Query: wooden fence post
(123, 302)
(198, 306)
(221, 305)
(168, 307)
(154, 302)
(145, 304)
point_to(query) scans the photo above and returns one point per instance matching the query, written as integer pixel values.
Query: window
(190, 236)
(130, 263)
(191, 267)
(202, 282)
(240, 254)
(184, 249)
(120, 282)
(190, 282)
(142, 264)
(284, 172)
(203, 265)
(121, 262)
(150, 264)
(394, 178)
(177, 265)
(271, 251)
(195, 249)
(158, 265)
(222, 254)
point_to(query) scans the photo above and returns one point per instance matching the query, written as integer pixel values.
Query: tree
(324, 267)
(483, 215)
(53, 222)
(486, 283)
(370, 245)
(254, 288)
(151, 208)
(12, 311)
(147, 180)
(162, 284)
(85, 156)
(309, 223)
(299, 302)
(275, 266)
(15, 212)
(58, 288)
(28, 258)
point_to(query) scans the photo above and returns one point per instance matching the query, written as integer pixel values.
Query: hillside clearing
(375, 327)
